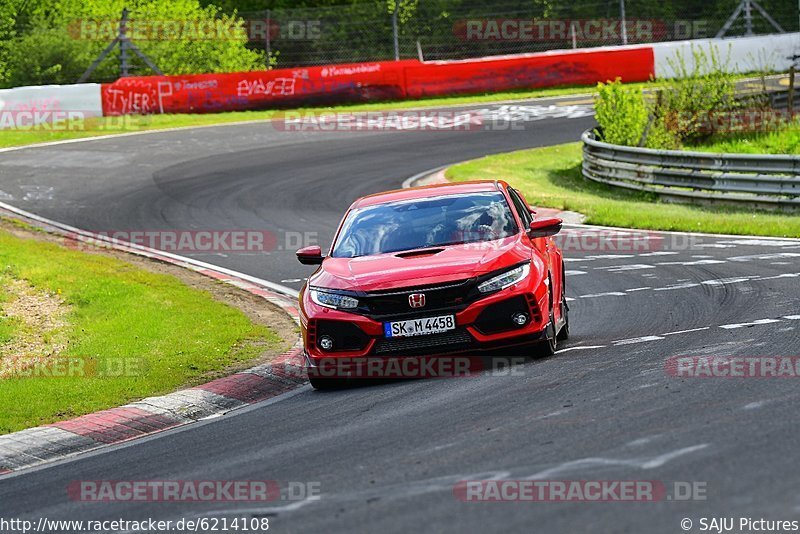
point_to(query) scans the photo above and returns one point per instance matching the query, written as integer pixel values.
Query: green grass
(168, 334)
(551, 177)
(117, 125)
(8, 327)
(785, 141)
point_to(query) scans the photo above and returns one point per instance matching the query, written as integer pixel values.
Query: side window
(521, 207)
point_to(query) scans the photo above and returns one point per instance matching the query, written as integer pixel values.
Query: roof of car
(430, 191)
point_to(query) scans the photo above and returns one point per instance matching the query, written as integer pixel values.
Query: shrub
(621, 113)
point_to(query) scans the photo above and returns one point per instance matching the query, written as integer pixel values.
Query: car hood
(390, 271)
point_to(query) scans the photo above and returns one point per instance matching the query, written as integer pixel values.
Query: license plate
(420, 327)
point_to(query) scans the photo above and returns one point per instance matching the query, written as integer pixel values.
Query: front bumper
(484, 325)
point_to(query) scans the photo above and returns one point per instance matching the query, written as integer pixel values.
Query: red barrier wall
(209, 93)
(529, 71)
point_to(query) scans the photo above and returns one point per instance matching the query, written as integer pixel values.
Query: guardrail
(760, 180)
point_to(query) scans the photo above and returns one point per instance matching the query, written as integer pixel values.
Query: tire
(326, 384)
(548, 347)
(563, 334)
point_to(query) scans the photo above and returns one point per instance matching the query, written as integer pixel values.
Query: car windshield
(423, 223)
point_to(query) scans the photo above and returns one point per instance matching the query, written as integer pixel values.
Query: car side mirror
(544, 227)
(310, 255)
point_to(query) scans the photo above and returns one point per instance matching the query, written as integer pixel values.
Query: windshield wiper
(420, 252)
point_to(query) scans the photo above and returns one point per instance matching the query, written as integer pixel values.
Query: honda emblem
(416, 300)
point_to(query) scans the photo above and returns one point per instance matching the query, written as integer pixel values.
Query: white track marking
(725, 281)
(620, 268)
(684, 285)
(758, 242)
(581, 465)
(775, 256)
(637, 289)
(686, 331)
(607, 294)
(754, 323)
(643, 339)
(608, 256)
(784, 275)
(792, 317)
(587, 347)
(695, 262)
(658, 253)
(574, 273)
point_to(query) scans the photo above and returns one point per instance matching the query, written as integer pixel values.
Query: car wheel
(548, 346)
(326, 384)
(563, 334)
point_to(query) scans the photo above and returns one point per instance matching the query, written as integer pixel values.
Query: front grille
(457, 339)
(439, 298)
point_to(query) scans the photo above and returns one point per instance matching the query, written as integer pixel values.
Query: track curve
(387, 457)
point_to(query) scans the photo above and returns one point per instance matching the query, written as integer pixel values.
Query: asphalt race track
(387, 457)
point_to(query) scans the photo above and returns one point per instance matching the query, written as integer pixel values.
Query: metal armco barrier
(770, 181)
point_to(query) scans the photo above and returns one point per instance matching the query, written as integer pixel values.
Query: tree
(60, 40)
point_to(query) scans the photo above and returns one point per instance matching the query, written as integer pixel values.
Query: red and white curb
(34, 446)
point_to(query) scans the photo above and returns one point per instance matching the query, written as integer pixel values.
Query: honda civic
(461, 268)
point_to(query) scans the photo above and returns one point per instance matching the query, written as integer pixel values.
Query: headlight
(333, 300)
(502, 281)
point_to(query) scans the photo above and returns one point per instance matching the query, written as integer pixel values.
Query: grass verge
(785, 141)
(551, 177)
(135, 333)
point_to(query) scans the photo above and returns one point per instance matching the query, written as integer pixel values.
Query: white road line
(686, 331)
(760, 242)
(631, 341)
(658, 253)
(637, 289)
(776, 256)
(609, 256)
(581, 348)
(620, 268)
(608, 294)
(695, 262)
(792, 317)
(754, 323)
(684, 285)
(724, 281)
(573, 273)
(784, 275)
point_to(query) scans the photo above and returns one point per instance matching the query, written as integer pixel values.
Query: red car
(435, 270)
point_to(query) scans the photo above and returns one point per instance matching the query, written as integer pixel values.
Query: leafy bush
(621, 113)
(703, 89)
(685, 109)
